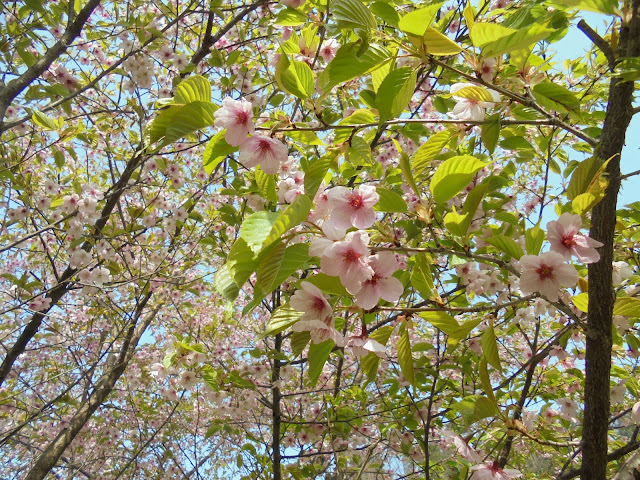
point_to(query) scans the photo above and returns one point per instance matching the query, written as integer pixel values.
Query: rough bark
(601, 293)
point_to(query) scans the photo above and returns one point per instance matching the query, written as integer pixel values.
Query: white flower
(467, 109)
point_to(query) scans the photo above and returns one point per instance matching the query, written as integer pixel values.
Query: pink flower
(353, 208)
(381, 284)
(546, 273)
(237, 117)
(265, 151)
(320, 331)
(361, 345)
(635, 413)
(329, 49)
(311, 301)
(462, 446)
(492, 471)
(348, 260)
(467, 109)
(564, 238)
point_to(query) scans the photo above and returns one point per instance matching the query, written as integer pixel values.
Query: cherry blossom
(311, 301)
(492, 471)
(381, 284)
(237, 117)
(320, 330)
(347, 259)
(564, 238)
(353, 208)
(545, 274)
(467, 109)
(329, 49)
(361, 345)
(264, 151)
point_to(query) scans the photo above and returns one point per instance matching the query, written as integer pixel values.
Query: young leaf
(519, 39)
(315, 173)
(442, 321)
(533, 239)
(318, 356)
(266, 184)
(390, 201)
(215, 152)
(475, 93)
(395, 92)
(353, 14)
(429, 150)
(294, 77)
(292, 216)
(421, 277)
(416, 22)
(490, 347)
(282, 318)
(192, 89)
(485, 33)
(453, 175)
(507, 245)
(490, 132)
(256, 228)
(627, 307)
(405, 359)
(436, 43)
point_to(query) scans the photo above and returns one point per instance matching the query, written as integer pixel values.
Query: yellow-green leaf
(453, 175)
(436, 43)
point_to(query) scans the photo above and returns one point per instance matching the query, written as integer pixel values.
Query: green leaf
(417, 21)
(294, 77)
(290, 17)
(241, 262)
(405, 168)
(266, 184)
(584, 175)
(506, 244)
(485, 380)
(627, 307)
(395, 92)
(277, 265)
(193, 89)
(299, 340)
(292, 216)
(390, 201)
(533, 239)
(353, 14)
(490, 347)
(421, 277)
(556, 97)
(305, 137)
(327, 284)
(459, 224)
(453, 175)
(519, 39)
(315, 173)
(429, 150)
(370, 362)
(318, 356)
(484, 33)
(607, 7)
(385, 12)
(474, 92)
(46, 122)
(490, 133)
(442, 321)
(216, 151)
(224, 283)
(282, 318)
(484, 408)
(436, 43)
(178, 121)
(463, 330)
(210, 377)
(256, 228)
(405, 359)
(347, 65)
(581, 301)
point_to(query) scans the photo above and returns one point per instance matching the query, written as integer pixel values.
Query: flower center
(351, 256)
(318, 304)
(242, 118)
(356, 201)
(264, 146)
(568, 241)
(544, 272)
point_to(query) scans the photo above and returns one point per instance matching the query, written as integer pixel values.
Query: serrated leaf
(581, 301)
(507, 245)
(305, 137)
(225, 284)
(490, 132)
(395, 92)
(453, 175)
(347, 64)
(485, 380)
(210, 377)
(216, 151)
(385, 12)
(353, 14)
(429, 150)
(268, 268)
(46, 122)
(490, 347)
(555, 97)
(193, 89)
(282, 318)
(484, 408)
(294, 77)
(442, 321)
(459, 224)
(292, 216)
(266, 184)
(421, 277)
(315, 173)
(299, 341)
(585, 173)
(416, 22)
(241, 262)
(178, 121)
(256, 228)
(607, 7)
(318, 356)
(436, 43)
(474, 92)
(327, 284)
(390, 201)
(290, 17)
(533, 239)
(405, 168)
(485, 33)
(405, 359)
(519, 39)
(627, 307)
